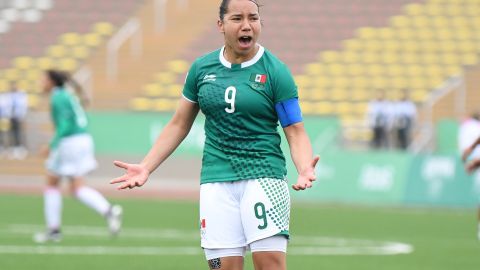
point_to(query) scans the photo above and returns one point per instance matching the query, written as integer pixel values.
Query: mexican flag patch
(258, 78)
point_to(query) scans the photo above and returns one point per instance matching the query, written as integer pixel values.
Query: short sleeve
(284, 87)
(190, 89)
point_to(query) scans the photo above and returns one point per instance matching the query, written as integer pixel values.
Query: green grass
(442, 239)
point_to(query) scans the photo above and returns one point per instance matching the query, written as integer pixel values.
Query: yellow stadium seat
(386, 33)
(164, 105)
(45, 63)
(433, 70)
(4, 85)
(400, 21)
(433, 9)
(174, 90)
(355, 69)
(370, 57)
(165, 77)
(80, 52)
(394, 70)
(429, 58)
(440, 22)
(141, 104)
(33, 101)
(68, 64)
(314, 69)
(302, 81)
(360, 108)
(353, 44)
(23, 62)
(56, 51)
(454, 10)
(429, 46)
(322, 82)
(70, 39)
(373, 45)
(12, 74)
(380, 82)
(153, 90)
(469, 59)
(349, 57)
(341, 82)
(464, 34)
(418, 83)
(414, 9)
(409, 58)
(444, 34)
(425, 33)
(360, 95)
(450, 59)
(178, 66)
(343, 108)
(411, 46)
(336, 69)
(92, 39)
(330, 56)
(392, 45)
(367, 33)
(415, 70)
(389, 57)
(436, 81)
(318, 94)
(307, 107)
(399, 82)
(103, 28)
(452, 70)
(360, 82)
(375, 70)
(448, 46)
(419, 95)
(421, 21)
(324, 108)
(405, 34)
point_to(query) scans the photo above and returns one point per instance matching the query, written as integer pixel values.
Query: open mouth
(245, 40)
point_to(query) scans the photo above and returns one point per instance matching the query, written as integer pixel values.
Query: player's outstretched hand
(472, 165)
(135, 176)
(306, 177)
(466, 153)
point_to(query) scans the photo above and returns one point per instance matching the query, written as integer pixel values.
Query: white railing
(426, 131)
(160, 13)
(131, 30)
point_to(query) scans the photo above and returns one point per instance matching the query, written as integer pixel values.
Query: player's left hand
(307, 176)
(472, 165)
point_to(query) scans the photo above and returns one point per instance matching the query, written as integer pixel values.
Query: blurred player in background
(404, 114)
(379, 114)
(18, 111)
(468, 142)
(70, 155)
(244, 91)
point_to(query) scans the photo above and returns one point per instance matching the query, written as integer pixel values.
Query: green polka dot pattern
(277, 193)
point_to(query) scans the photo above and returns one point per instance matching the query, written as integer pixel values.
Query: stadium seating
(63, 36)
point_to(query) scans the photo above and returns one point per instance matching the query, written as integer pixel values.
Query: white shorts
(235, 214)
(73, 157)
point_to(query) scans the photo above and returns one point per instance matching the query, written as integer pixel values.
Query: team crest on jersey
(258, 81)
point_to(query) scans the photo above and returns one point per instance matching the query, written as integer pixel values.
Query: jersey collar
(250, 62)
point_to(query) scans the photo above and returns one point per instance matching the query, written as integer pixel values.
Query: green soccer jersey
(68, 116)
(238, 100)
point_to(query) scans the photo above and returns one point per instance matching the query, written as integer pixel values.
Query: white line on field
(299, 245)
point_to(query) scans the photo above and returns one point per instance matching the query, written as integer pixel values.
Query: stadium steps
(472, 80)
(183, 25)
(32, 165)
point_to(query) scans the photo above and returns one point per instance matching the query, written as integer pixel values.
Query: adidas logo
(209, 78)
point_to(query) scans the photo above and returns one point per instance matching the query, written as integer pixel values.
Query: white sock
(93, 199)
(53, 207)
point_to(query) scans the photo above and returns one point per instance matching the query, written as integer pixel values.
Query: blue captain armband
(289, 112)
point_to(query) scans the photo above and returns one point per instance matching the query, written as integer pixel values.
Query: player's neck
(231, 56)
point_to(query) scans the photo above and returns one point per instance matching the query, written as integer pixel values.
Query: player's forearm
(170, 138)
(300, 147)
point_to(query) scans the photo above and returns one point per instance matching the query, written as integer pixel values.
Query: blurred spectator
(405, 113)
(18, 106)
(379, 119)
(4, 122)
(468, 143)
(468, 133)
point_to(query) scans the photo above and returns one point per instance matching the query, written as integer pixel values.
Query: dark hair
(60, 78)
(224, 7)
(476, 116)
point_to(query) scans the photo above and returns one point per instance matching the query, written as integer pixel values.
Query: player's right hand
(135, 176)
(466, 153)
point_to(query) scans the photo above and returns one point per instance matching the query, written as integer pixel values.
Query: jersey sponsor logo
(210, 78)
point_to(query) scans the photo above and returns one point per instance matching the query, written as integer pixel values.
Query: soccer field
(164, 235)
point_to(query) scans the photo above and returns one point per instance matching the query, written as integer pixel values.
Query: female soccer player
(244, 91)
(70, 155)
